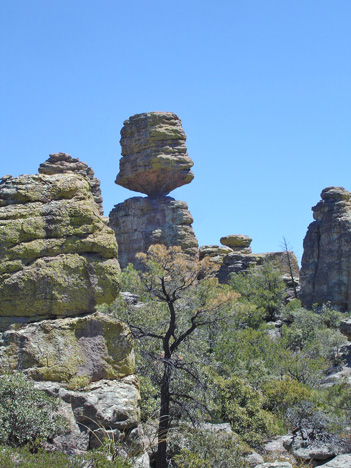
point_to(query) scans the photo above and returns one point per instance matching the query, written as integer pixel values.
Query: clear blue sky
(263, 88)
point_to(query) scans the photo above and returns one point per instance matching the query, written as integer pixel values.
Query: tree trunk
(163, 422)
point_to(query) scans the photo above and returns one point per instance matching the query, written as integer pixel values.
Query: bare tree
(177, 303)
(289, 262)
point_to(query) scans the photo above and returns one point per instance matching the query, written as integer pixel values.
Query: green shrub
(280, 395)
(206, 449)
(27, 414)
(242, 406)
(13, 458)
(263, 286)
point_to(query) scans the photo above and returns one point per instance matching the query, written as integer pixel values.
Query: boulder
(237, 242)
(75, 351)
(154, 156)
(87, 363)
(254, 459)
(341, 461)
(104, 408)
(140, 222)
(345, 328)
(276, 464)
(326, 260)
(58, 257)
(61, 163)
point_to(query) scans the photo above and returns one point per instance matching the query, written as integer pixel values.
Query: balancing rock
(154, 156)
(60, 163)
(326, 260)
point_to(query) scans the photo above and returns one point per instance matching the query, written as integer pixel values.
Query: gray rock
(254, 459)
(155, 160)
(108, 408)
(236, 262)
(141, 222)
(345, 328)
(276, 464)
(326, 267)
(75, 351)
(236, 240)
(341, 461)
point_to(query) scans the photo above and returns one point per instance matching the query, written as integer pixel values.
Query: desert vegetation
(222, 369)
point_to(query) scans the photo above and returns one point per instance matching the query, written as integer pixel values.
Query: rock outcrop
(154, 162)
(75, 351)
(235, 255)
(58, 261)
(155, 159)
(88, 363)
(326, 260)
(57, 255)
(61, 163)
(141, 222)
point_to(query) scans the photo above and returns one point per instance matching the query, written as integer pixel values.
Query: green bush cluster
(26, 413)
(25, 456)
(203, 448)
(236, 370)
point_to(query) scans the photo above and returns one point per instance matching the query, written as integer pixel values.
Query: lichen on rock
(154, 156)
(75, 351)
(140, 222)
(58, 257)
(61, 163)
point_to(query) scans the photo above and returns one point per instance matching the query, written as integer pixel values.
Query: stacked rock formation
(154, 161)
(58, 260)
(57, 255)
(326, 260)
(235, 255)
(60, 163)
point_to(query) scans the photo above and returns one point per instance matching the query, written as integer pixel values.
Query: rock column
(326, 260)
(154, 162)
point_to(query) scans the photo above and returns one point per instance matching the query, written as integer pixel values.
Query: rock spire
(326, 260)
(154, 161)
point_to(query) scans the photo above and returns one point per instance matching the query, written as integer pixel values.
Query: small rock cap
(236, 240)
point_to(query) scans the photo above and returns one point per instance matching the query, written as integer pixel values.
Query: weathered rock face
(57, 255)
(141, 222)
(105, 407)
(237, 261)
(75, 351)
(61, 163)
(235, 255)
(326, 261)
(155, 159)
(88, 363)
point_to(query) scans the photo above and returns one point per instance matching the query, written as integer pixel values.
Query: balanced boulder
(155, 159)
(154, 162)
